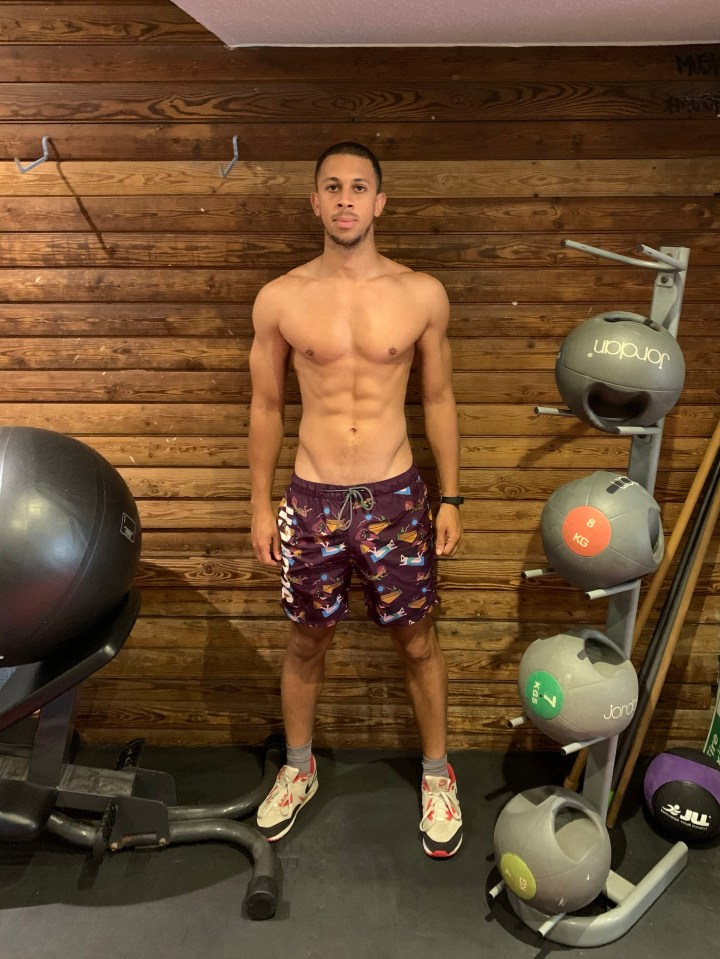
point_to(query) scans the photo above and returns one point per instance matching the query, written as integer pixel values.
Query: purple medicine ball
(682, 792)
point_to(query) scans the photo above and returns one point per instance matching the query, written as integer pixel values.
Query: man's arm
(268, 371)
(434, 360)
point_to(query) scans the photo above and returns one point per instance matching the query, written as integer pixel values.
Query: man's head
(350, 148)
(347, 195)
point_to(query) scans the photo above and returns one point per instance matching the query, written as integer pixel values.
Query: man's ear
(380, 201)
(315, 203)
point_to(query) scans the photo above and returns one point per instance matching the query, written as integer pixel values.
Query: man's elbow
(439, 399)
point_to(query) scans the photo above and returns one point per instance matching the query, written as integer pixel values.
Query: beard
(348, 243)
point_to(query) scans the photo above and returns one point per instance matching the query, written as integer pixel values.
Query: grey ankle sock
(435, 767)
(299, 757)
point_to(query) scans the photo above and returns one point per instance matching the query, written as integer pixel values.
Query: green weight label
(517, 876)
(544, 694)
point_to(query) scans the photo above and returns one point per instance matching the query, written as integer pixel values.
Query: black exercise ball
(69, 541)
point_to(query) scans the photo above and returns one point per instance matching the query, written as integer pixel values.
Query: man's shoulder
(421, 284)
(285, 285)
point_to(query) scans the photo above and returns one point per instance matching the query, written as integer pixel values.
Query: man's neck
(357, 262)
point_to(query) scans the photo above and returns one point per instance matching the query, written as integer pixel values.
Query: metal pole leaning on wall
(659, 658)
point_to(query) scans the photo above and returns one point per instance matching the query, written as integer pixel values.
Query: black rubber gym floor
(356, 882)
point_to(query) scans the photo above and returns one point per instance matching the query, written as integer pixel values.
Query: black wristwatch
(453, 500)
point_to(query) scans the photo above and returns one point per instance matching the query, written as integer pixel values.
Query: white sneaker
(291, 791)
(441, 824)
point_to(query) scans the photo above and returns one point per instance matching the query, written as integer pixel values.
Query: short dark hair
(353, 149)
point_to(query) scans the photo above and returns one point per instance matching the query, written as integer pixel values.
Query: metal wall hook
(661, 257)
(231, 164)
(662, 260)
(42, 159)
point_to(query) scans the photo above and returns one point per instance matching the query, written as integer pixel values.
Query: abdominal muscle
(353, 388)
(366, 443)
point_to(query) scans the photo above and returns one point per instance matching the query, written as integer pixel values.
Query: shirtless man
(352, 322)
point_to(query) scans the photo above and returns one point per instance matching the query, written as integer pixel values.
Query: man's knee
(308, 642)
(417, 643)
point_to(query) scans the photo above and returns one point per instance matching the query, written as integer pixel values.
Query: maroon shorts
(383, 532)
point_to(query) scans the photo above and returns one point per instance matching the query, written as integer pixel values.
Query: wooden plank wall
(128, 267)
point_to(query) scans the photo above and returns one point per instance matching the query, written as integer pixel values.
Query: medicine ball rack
(629, 901)
(128, 807)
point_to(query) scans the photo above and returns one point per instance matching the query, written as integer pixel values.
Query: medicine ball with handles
(577, 686)
(552, 849)
(602, 530)
(620, 369)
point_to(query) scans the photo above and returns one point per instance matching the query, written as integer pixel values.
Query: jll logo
(701, 820)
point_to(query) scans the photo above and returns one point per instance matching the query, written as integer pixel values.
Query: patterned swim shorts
(383, 532)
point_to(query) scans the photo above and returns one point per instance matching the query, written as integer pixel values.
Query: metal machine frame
(103, 809)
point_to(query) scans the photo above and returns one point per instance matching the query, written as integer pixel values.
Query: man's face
(346, 199)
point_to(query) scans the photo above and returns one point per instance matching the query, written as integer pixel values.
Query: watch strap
(453, 500)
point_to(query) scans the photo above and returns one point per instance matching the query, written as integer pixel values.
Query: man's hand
(266, 537)
(448, 530)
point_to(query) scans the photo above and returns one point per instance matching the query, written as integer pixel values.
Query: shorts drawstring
(356, 497)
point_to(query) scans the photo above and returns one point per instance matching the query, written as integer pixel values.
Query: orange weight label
(586, 531)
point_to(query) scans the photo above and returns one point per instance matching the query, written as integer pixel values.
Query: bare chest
(331, 329)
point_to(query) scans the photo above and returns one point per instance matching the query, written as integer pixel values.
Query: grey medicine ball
(602, 530)
(620, 369)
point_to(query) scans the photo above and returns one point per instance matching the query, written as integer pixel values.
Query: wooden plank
(146, 386)
(119, 353)
(525, 545)
(481, 687)
(604, 451)
(511, 483)
(198, 59)
(171, 319)
(342, 100)
(285, 251)
(490, 284)
(477, 178)
(243, 572)
(412, 140)
(186, 213)
(123, 319)
(489, 354)
(222, 650)
(341, 725)
(78, 23)
(552, 608)
(484, 539)
(234, 514)
(211, 419)
(193, 354)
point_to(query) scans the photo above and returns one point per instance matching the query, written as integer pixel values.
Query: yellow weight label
(517, 876)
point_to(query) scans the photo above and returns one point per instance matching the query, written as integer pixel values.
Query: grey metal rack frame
(629, 901)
